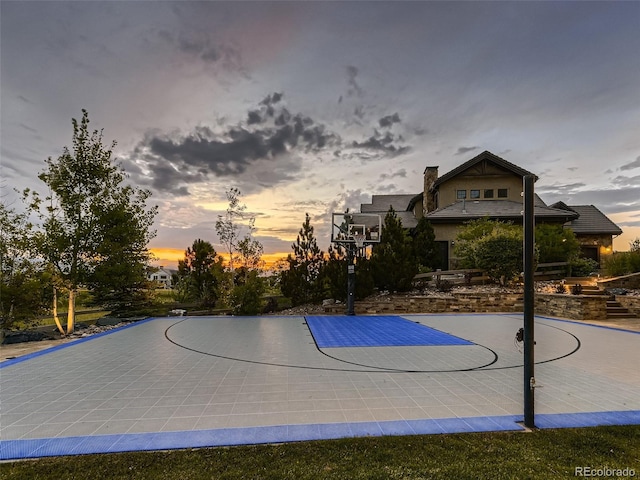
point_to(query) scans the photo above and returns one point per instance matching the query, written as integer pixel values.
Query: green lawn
(544, 454)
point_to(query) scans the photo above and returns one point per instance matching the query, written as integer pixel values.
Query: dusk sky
(315, 106)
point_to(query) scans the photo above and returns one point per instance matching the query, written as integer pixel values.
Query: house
(161, 276)
(490, 186)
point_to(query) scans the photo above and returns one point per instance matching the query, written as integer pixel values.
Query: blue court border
(226, 437)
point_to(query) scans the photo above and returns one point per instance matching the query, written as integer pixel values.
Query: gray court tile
(260, 372)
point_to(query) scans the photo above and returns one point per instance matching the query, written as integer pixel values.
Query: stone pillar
(428, 201)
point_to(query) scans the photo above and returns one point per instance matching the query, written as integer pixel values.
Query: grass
(500, 455)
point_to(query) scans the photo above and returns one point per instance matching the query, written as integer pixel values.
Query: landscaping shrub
(583, 267)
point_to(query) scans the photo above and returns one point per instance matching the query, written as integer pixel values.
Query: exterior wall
(162, 277)
(446, 233)
(447, 190)
(603, 242)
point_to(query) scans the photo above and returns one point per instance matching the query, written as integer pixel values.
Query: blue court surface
(379, 331)
(187, 382)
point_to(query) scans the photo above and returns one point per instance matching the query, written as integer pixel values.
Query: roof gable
(482, 161)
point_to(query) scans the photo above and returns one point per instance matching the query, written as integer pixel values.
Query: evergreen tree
(201, 272)
(334, 275)
(301, 281)
(393, 261)
(425, 249)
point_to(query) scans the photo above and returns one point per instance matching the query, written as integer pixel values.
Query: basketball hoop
(359, 239)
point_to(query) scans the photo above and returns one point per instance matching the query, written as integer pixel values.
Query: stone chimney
(428, 200)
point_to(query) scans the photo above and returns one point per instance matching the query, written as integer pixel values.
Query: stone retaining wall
(577, 307)
(458, 302)
(630, 303)
(632, 282)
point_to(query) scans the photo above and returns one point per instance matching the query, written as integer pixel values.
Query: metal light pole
(529, 342)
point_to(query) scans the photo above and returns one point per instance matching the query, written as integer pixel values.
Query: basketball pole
(529, 343)
(351, 279)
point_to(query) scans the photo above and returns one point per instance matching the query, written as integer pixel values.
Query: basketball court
(186, 382)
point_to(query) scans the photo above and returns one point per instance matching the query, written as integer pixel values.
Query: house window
(475, 194)
(502, 193)
(461, 194)
(488, 193)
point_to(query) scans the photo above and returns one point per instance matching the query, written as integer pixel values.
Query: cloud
(628, 223)
(463, 150)
(204, 48)
(170, 162)
(386, 143)
(615, 200)
(561, 189)
(390, 188)
(631, 165)
(623, 181)
(354, 88)
(400, 173)
(389, 120)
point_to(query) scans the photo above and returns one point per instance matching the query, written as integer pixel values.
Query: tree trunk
(71, 313)
(55, 311)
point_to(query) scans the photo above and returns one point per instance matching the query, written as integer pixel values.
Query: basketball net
(359, 240)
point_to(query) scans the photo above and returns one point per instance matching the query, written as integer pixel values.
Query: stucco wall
(447, 189)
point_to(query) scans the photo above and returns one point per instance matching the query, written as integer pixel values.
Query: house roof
(497, 209)
(590, 220)
(381, 203)
(486, 155)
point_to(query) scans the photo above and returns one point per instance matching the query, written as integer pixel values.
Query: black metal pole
(351, 280)
(528, 257)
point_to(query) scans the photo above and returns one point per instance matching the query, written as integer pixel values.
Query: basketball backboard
(344, 226)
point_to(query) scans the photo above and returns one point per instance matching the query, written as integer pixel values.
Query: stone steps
(615, 310)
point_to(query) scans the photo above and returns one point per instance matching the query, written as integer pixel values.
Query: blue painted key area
(382, 331)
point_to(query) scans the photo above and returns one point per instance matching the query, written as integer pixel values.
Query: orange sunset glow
(169, 257)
